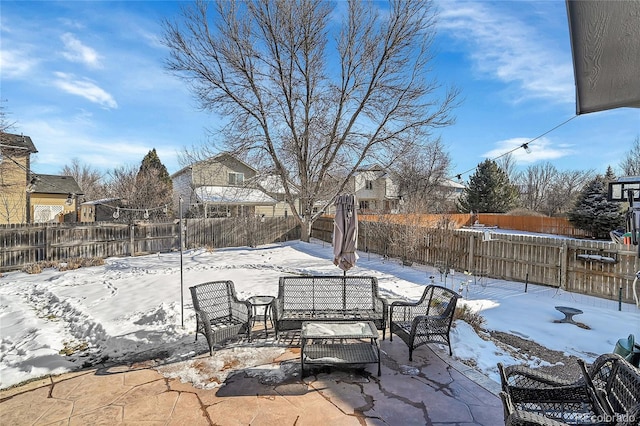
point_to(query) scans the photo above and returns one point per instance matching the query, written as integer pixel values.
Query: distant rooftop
(9, 140)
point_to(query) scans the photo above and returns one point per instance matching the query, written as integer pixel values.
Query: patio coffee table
(339, 343)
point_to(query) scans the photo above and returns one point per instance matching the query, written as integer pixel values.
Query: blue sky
(86, 80)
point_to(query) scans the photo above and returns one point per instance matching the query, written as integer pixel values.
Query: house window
(368, 184)
(363, 205)
(236, 178)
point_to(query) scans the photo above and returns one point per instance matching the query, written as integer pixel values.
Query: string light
(524, 146)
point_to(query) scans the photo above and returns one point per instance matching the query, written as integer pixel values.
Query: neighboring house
(54, 197)
(452, 189)
(375, 190)
(219, 186)
(15, 177)
(99, 210)
(272, 186)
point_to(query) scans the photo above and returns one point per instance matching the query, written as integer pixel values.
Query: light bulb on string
(146, 214)
(116, 214)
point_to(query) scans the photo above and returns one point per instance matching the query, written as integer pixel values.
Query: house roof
(274, 185)
(217, 158)
(9, 140)
(233, 195)
(101, 201)
(450, 184)
(53, 184)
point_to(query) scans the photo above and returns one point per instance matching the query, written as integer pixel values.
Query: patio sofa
(328, 298)
(607, 394)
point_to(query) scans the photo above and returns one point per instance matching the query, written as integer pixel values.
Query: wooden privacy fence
(540, 224)
(24, 244)
(597, 268)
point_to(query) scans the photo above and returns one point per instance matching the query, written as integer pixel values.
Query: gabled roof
(233, 195)
(371, 168)
(215, 159)
(53, 184)
(101, 201)
(273, 184)
(448, 183)
(9, 140)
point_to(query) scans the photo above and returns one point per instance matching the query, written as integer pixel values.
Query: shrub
(471, 317)
(69, 264)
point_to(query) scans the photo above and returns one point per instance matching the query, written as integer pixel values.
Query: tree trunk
(305, 230)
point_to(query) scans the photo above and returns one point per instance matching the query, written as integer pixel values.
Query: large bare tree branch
(312, 94)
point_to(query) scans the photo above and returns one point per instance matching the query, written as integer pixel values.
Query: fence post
(132, 249)
(48, 238)
(564, 259)
(471, 260)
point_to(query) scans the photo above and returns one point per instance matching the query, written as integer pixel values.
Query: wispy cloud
(75, 51)
(510, 50)
(15, 64)
(541, 150)
(84, 88)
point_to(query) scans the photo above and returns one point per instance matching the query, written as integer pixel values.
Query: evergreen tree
(594, 213)
(489, 191)
(609, 176)
(152, 161)
(153, 186)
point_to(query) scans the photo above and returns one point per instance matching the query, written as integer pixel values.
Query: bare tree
(535, 184)
(421, 176)
(630, 164)
(89, 180)
(142, 194)
(507, 162)
(565, 190)
(307, 107)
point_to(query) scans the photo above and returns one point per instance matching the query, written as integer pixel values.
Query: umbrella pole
(344, 290)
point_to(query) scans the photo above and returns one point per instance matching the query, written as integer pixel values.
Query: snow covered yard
(130, 308)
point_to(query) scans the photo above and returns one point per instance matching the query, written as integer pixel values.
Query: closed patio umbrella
(345, 232)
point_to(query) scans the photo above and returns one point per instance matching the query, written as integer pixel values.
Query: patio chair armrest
(526, 377)
(404, 311)
(403, 303)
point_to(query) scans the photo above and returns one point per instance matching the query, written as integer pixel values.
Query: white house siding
(182, 187)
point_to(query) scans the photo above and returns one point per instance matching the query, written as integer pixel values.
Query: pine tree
(152, 161)
(489, 191)
(594, 213)
(153, 187)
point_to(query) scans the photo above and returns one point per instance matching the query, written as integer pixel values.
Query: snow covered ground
(130, 308)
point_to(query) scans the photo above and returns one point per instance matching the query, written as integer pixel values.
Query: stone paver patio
(432, 390)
